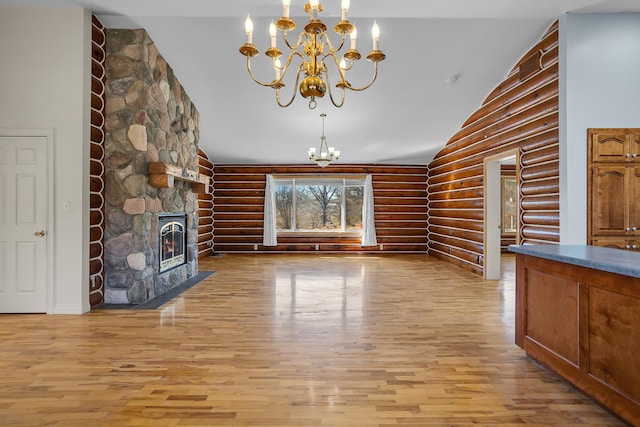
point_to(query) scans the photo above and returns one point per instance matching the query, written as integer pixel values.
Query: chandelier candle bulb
(375, 34)
(354, 37)
(345, 9)
(277, 65)
(248, 28)
(285, 8)
(273, 33)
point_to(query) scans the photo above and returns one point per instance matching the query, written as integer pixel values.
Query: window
(319, 205)
(509, 205)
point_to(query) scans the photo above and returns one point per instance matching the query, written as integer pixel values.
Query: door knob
(40, 233)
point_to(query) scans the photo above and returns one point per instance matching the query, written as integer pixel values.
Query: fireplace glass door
(172, 242)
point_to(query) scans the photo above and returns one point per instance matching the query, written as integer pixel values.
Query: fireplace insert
(172, 232)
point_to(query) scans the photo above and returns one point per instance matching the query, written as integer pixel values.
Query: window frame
(342, 180)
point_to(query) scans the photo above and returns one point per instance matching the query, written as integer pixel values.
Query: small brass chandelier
(325, 154)
(310, 48)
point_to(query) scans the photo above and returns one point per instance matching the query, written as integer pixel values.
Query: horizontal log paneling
(543, 186)
(539, 156)
(540, 203)
(455, 232)
(527, 122)
(400, 199)
(205, 209)
(540, 171)
(542, 218)
(457, 204)
(545, 45)
(519, 114)
(452, 223)
(462, 194)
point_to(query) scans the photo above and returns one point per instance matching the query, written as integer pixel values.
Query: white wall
(599, 87)
(44, 83)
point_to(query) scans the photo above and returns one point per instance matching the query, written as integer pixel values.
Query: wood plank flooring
(292, 340)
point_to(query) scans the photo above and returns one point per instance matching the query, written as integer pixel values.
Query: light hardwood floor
(291, 340)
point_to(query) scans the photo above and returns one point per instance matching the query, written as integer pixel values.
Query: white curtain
(270, 233)
(368, 218)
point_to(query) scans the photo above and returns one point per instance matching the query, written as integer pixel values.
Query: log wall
(96, 171)
(399, 197)
(205, 209)
(521, 113)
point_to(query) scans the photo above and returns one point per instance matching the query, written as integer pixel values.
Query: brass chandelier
(325, 155)
(310, 48)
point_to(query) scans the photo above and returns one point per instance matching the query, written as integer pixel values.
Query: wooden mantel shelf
(162, 175)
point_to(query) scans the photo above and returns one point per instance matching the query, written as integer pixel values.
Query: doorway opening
(501, 208)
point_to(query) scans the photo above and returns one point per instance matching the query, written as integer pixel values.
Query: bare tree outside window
(353, 199)
(327, 196)
(284, 205)
(308, 205)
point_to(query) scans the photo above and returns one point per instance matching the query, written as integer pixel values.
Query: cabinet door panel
(610, 191)
(614, 327)
(610, 146)
(634, 201)
(612, 242)
(634, 146)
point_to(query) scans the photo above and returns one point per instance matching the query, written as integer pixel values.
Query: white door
(23, 221)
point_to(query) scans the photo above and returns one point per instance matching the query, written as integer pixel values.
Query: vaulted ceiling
(443, 59)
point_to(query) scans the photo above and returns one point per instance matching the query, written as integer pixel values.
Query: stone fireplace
(149, 120)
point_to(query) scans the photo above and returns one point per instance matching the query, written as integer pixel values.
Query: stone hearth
(149, 118)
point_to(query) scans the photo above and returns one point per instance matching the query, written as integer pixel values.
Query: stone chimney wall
(149, 118)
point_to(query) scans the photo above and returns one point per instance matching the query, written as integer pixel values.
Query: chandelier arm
(261, 83)
(340, 70)
(330, 45)
(375, 75)
(293, 96)
(286, 66)
(349, 63)
(295, 46)
(326, 73)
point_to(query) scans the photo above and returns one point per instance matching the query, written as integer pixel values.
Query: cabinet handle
(628, 247)
(635, 228)
(628, 155)
(628, 229)
(634, 246)
(634, 155)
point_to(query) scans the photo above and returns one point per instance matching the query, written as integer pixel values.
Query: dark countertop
(612, 260)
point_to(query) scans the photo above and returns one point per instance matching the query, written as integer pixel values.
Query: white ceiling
(406, 117)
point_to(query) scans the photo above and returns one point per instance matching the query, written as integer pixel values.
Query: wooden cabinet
(614, 188)
(615, 145)
(584, 324)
